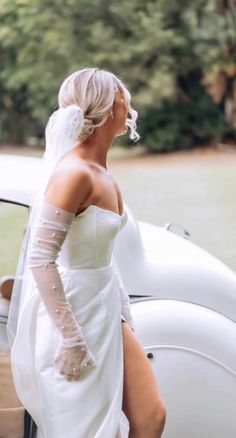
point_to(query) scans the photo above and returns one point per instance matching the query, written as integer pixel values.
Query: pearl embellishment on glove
(73, 352)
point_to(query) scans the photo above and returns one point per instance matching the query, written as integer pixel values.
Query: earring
(112, 116)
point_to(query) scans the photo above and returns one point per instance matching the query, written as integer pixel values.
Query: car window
(13, 219)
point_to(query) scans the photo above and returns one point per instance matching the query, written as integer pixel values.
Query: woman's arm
(51, 228)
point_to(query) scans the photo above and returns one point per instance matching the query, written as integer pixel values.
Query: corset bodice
(90, 240)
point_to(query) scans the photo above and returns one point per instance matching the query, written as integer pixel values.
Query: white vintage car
(184, 307)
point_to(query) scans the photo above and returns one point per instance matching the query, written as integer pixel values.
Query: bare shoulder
(117, 187)
(70, 185)
(119, 195)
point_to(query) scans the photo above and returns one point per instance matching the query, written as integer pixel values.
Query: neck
(96, 147)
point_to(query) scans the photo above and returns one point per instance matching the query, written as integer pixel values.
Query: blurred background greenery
(178, 58)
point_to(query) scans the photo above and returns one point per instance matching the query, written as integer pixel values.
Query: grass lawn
(194, 189)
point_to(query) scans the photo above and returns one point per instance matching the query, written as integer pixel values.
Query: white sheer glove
(50, 231)
(125, 301)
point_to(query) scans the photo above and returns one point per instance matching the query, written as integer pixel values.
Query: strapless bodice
(90, 240)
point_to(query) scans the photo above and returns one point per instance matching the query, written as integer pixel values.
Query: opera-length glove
(124, 297)
(49, 234)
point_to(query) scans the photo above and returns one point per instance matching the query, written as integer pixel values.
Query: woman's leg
(142, 404)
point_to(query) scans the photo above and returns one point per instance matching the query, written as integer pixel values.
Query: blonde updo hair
(93, 90)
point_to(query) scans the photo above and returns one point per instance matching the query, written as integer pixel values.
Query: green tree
(164, 51)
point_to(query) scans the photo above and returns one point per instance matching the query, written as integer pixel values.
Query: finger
(69, 378)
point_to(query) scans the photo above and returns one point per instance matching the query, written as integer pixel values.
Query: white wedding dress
(92, 406)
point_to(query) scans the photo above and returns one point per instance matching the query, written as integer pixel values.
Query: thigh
(141, 397)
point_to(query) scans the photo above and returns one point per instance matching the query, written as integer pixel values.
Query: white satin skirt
(92, 406)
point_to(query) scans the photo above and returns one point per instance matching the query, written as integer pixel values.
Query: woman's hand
(73, 360)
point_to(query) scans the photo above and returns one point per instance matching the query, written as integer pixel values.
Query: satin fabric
(92, 406)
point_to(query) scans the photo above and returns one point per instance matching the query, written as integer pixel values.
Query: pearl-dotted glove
(50, 231)
(124, 297)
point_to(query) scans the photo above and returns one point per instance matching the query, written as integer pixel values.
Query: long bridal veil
(63, 129)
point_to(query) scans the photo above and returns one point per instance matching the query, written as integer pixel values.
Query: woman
(75, 366)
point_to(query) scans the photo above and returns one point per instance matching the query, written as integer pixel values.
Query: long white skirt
(92, 406)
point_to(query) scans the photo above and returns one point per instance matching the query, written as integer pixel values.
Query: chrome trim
(177, 229)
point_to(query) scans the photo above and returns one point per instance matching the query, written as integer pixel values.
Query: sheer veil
(63, 129)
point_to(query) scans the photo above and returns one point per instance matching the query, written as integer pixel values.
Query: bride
(76, 368)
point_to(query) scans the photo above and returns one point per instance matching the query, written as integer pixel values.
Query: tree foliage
(172, 55)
